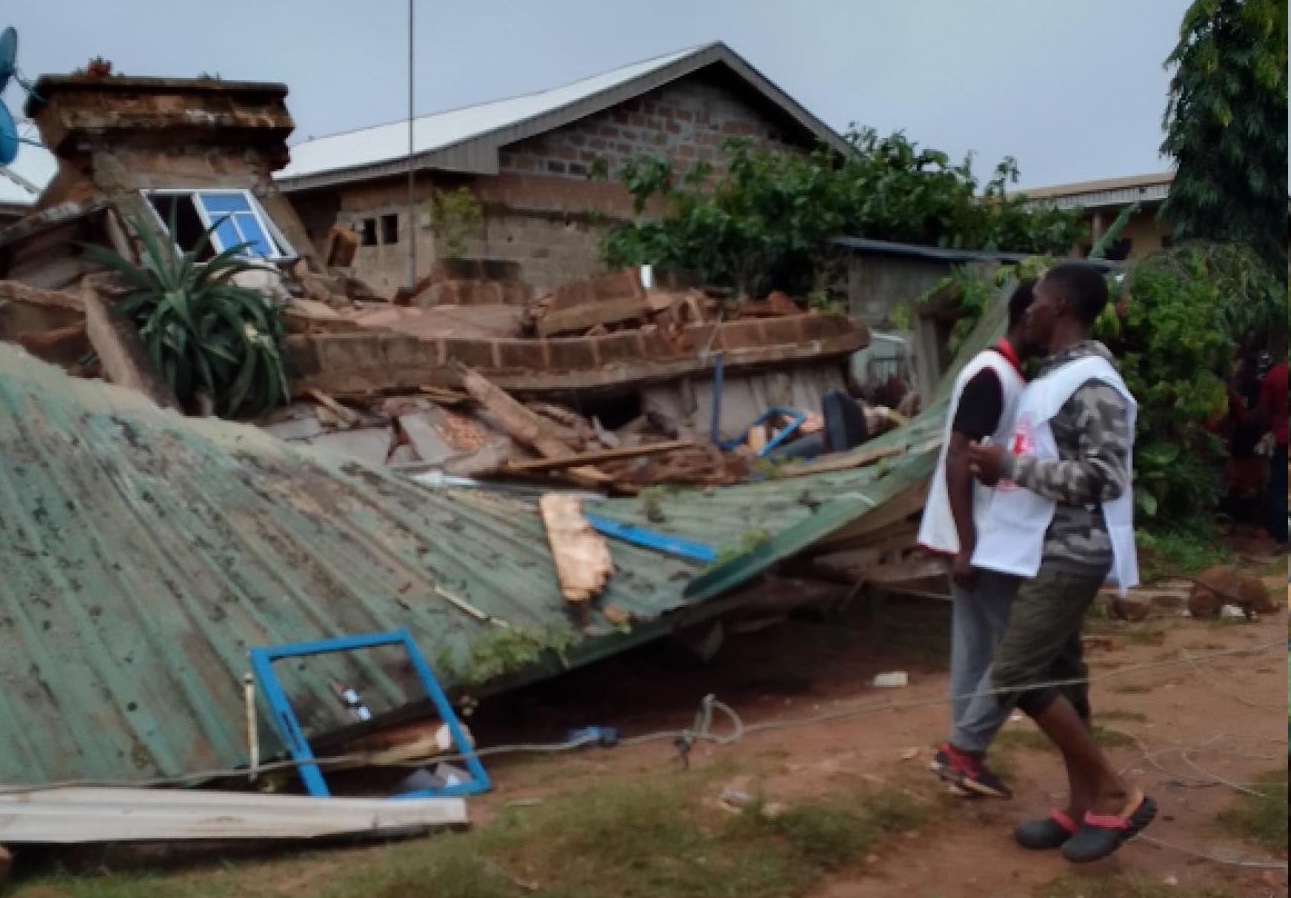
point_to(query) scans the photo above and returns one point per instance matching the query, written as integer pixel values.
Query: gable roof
(468, 139)
(1105, 192)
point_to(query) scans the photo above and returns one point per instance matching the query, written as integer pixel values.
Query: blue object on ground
(284, 717)
(639, 536)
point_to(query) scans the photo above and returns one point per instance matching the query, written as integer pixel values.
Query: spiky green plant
(203, 332)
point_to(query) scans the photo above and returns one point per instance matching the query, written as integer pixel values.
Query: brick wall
(687, 121)
(543, 210)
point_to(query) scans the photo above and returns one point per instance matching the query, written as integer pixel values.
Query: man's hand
(984, 462)
(962, 570)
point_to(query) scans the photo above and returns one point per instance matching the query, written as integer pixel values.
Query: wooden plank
(121, 354)
(602, 455)
(13, 291)
(523, 425)
(578, 319)
(77, 815)
(347, 416)
(581, 555)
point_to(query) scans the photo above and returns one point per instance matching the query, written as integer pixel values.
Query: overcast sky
(1074, 89)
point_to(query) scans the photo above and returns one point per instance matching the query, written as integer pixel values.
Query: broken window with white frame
(236, 216)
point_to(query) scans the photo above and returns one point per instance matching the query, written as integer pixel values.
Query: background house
(531, 162)
(1102, 201)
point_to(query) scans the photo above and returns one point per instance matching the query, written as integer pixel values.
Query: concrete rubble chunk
(370, 444)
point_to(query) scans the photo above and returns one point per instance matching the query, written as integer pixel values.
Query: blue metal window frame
(288, 725)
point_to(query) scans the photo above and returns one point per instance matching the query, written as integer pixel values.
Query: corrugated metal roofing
(432, 132)
(468, 139)
(143, 553)
(941, 254)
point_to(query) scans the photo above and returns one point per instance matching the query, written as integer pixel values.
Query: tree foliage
(1173, 323)
(203, 332)
(765, 221)
(1226, 124)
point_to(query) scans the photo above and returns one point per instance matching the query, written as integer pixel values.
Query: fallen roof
(144, 553)
(468, 139)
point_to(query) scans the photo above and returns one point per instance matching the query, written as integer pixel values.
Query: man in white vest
(1062, 517)
(983, 404)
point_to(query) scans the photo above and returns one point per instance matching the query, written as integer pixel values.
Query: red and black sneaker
(970, 773)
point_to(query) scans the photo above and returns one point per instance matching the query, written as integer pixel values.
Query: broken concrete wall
(362, 363)
(126, 135)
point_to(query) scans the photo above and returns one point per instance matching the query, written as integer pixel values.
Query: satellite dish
(8, 55)
(8, 137)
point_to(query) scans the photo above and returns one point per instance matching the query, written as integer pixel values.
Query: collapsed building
(175, 544)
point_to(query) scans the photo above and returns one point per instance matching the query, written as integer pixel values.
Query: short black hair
(1083, 287)
(1020, 301)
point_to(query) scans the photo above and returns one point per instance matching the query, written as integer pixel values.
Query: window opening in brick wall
(236, 217)
(389, 229)
(368, 232)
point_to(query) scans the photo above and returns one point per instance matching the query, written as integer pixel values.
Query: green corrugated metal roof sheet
(143, 553)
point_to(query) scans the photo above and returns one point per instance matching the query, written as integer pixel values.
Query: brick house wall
(544, 210)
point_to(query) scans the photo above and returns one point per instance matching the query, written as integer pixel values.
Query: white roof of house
(468, 139)
(22, 182)
(434, 132)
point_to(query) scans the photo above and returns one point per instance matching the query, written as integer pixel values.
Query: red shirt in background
(1273, 400)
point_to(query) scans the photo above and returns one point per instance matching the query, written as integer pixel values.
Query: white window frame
(283, 248)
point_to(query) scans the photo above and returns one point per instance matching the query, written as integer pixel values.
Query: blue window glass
(226, 233)
(253, 234)
(217, 203)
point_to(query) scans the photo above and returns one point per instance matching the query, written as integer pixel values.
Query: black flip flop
(1101, 834)
(1044, 835)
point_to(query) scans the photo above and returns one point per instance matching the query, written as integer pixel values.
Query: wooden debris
(347, 417)
(77, 815)
(592, 458)
(441, 396)
(121, 353)
(6, 865)
(581, 555)
(579, 319)
(342, 244)
(523, 425)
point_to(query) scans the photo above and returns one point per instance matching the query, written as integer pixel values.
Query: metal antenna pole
(411, 234)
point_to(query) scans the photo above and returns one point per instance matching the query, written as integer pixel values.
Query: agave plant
(203, 332)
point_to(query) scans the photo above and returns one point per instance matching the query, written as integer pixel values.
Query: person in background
(1271, 412)
(1062, 518)
(983, 404)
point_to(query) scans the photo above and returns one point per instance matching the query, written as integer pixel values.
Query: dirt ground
(1181, 728)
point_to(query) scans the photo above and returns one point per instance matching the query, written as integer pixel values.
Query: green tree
(765, 222)
(1226, 125)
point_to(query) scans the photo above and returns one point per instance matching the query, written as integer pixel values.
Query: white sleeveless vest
(1010, 538)
(937, 528)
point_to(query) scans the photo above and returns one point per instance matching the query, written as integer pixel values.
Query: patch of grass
(656, 837)
(1262, 820)
(1183, 551)
(1038, 741)
(1119, 886)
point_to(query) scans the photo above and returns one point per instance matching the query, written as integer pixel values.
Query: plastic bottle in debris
(353, 703)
